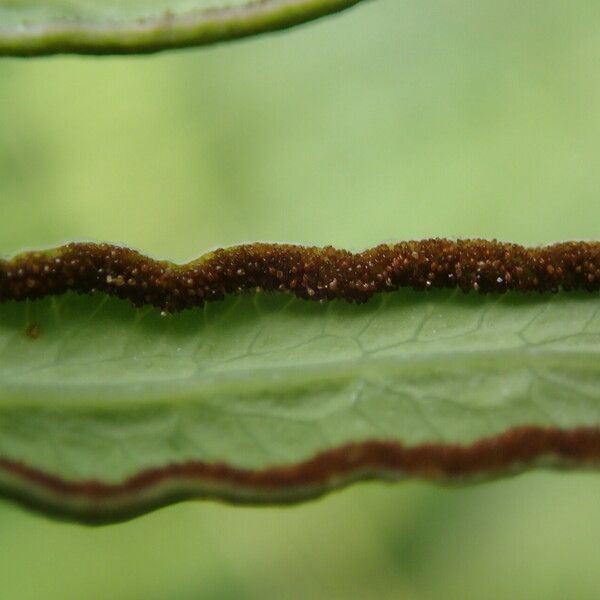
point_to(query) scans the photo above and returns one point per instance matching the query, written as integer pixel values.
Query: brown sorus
(311, 273)
(511, 451)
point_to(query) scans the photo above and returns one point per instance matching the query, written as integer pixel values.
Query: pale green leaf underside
(103, 391)
(31, 27)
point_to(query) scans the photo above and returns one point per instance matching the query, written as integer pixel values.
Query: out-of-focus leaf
(34, 27)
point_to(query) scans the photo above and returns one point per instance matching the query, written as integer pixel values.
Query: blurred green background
(398, 119)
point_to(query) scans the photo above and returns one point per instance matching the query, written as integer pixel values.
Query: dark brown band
(97, 501)
(307, 272)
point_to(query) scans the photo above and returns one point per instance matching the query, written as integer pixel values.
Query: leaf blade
(241, 399)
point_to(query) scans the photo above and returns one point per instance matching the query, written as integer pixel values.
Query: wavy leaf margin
(311, 273)
(96, 502)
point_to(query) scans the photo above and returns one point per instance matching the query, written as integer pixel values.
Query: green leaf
(35, 27)
(108, 410)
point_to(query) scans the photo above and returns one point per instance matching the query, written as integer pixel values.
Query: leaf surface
(34, 27)
(108, 410)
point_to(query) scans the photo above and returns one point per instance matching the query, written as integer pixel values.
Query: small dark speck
(33, 331)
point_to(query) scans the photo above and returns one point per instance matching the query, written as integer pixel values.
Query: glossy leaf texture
(139, 26)
(108, 410)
